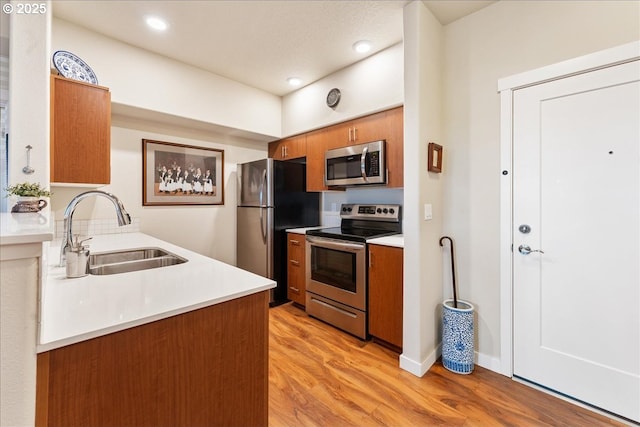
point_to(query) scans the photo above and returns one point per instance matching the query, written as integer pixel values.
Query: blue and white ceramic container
(457, 337)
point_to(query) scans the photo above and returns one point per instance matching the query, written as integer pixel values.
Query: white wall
(18, 333)
(422, 253)
(28, 124)
(371, 85)
(209, 230)
(29, 97)
(505, 38)
(141, 79)
(161, 99)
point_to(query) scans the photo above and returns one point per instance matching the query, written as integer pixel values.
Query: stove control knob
(344, 209)
(392, 211)
(385, 210)
(349, 209)
(379, 210)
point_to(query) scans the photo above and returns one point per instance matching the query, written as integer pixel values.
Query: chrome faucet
(67, 242)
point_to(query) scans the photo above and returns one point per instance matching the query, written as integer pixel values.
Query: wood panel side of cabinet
(296, 268)
(205, 367)
(386, 293)
(316, 147)
(80, 132)
(394, 131)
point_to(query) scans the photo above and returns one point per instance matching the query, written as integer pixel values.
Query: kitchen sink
(129, 260)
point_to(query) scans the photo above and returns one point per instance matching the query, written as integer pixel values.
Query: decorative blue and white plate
(72, 67)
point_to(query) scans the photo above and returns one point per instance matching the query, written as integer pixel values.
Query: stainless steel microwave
(356, 165)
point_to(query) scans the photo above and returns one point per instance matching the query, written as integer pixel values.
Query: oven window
(333, 267)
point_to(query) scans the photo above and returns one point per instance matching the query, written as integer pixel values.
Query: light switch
(428, 212)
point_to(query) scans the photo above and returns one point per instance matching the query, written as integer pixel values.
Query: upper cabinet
(289, 148)
(387, 125)
(80, 132)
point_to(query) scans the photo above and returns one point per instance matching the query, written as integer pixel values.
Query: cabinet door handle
(286, 151)
(295, 242)
(294, 262)
(370, 259)
(355, 134)
(294, 289)
(349, 134)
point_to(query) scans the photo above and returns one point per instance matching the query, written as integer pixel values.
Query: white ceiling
(261, 42)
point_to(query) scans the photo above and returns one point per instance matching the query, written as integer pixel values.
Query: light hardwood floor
(320, 376)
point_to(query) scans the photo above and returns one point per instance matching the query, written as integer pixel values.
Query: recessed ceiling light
(362, 46)
(294, 81)
(156, 23)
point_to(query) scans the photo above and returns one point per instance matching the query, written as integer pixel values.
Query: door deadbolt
(524, 229)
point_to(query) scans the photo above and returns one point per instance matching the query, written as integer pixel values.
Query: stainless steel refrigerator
(272, 197)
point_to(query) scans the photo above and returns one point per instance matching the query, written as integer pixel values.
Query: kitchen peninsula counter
(75, 310)
(181, 345)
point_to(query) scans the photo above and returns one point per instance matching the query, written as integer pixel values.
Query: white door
(576, 297)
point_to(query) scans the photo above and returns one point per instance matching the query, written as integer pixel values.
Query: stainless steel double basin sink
(128, 260)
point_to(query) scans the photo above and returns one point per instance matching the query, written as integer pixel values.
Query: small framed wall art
(435, 158)
(176, 174)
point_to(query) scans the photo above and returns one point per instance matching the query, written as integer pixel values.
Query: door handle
(526, 250)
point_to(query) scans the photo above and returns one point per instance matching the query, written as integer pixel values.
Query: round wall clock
(333, 97)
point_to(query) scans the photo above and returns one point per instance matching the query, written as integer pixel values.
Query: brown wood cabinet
(387, 125)
(385, 294)
(289, 148)
(296, 268)
(80, 132)
(207, 367)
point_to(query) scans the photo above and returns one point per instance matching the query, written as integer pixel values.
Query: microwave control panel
(373, 164)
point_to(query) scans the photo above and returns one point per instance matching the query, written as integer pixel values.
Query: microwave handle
(363, 163)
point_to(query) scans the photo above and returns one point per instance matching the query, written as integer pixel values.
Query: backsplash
(332, 200)
(92, 227)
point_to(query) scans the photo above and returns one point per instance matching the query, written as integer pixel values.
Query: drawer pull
(294, 262)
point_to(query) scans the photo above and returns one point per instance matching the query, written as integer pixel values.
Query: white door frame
(506, 86)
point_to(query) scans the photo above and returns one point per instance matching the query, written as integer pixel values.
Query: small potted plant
(29, 196)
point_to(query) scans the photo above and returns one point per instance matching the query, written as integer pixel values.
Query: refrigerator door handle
(263, 229)
(262, 182)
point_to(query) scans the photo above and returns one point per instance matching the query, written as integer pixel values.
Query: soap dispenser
(77, 258)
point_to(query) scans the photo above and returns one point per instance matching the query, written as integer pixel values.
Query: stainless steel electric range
(336, 272)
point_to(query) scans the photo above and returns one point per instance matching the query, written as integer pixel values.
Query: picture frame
(434, 158)
(177, 174)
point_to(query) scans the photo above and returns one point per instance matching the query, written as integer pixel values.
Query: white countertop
(74, 310)
(396, 240)
(21, 228)
(303, 230)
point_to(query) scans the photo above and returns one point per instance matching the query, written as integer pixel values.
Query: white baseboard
(488, 362)
(420, 368)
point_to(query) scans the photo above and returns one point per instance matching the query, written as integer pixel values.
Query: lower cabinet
(385, 294)
(296, 268)
(207, 367)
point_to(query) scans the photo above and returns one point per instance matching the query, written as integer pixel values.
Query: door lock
(526, 250)
(524, 229)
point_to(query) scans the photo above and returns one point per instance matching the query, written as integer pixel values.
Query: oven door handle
(333, 244)
(363, 163)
